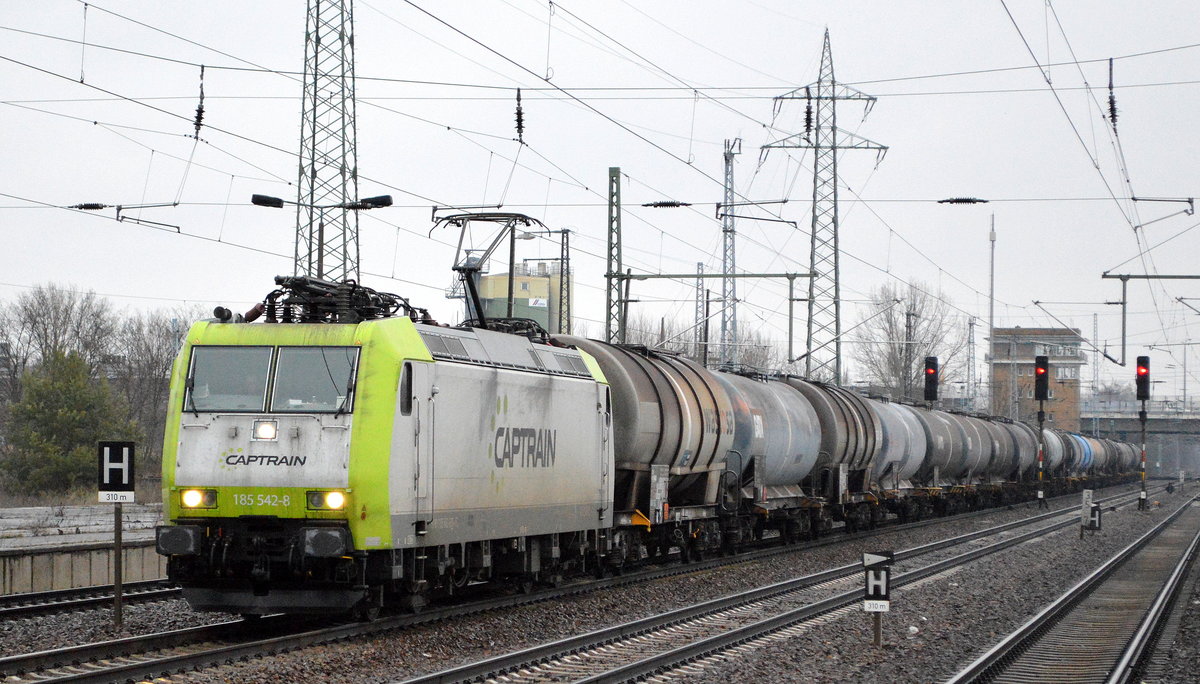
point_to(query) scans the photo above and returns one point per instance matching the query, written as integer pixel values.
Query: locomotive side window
(314, 379)
(228, 379)
(406, 390)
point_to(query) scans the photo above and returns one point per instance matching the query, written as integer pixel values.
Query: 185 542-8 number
(269, 500)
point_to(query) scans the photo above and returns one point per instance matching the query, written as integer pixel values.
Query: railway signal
(1143, 378)
(1041, 392)
(1041, 378)
(931, 378)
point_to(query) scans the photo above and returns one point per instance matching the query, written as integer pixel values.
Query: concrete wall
(81, 565)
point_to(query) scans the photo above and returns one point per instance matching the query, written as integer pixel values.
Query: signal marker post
(116, 483)
(877, 567)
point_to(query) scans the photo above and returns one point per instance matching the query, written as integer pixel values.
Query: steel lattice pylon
(614, 327)
(327, 234)
(729, 333)
(824, 358)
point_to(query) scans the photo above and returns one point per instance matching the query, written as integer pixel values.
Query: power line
(784, 85)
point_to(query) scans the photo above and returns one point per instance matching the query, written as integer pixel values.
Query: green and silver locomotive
(334, 456)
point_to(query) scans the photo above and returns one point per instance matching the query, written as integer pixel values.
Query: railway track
(153, 655)
(1102, 628)
(85, 598)
(677, 637)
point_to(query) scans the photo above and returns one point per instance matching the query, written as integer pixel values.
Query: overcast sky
(654, 88)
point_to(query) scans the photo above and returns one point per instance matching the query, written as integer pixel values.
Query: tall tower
(729, 334)
(614, 325)
(326, 230)
(825, 139)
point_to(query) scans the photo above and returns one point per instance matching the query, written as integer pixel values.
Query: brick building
(1012, 354)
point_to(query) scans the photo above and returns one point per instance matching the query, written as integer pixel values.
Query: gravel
(430, 648)
(39, 633)
(944, 624)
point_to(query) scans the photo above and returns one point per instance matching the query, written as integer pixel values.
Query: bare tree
(658, 333)
(16, 352)
(904, 325)
(51, 320)
(146, 346)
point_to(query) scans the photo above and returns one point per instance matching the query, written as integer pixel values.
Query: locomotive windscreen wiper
(349, 393)
(189, 385)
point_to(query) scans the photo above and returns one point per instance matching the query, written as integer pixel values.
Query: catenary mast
(326, 234)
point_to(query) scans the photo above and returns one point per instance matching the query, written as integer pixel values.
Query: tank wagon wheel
(653, 548)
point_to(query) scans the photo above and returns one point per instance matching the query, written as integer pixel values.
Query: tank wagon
(346, 451)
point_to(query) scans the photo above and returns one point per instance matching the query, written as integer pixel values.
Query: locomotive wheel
(367, 609)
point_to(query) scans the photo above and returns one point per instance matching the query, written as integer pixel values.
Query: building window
(1050, 393)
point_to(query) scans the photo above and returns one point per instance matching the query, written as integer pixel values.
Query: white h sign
(116, 477)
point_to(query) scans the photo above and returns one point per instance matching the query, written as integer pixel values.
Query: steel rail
(499, 665)
(987, 665)
(1132, 659)
(148, 668)
(679, 656)
(44, 602)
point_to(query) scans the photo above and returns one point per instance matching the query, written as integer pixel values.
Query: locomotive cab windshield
(271, 379)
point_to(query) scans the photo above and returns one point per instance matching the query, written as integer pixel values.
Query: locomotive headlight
(198, 498)
(266, 430)
(335, 500)
(325, 501)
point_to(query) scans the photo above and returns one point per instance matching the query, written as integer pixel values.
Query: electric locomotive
(323, 459)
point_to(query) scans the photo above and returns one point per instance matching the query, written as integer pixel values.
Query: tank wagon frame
(338, 456)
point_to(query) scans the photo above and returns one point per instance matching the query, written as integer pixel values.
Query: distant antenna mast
(326, 228)
(824, 359)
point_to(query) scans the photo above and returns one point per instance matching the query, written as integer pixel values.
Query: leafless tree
(905, 324)
(53, 319)
(16, 352)
(49, 320)
(146, 346)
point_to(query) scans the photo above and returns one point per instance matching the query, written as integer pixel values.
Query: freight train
(336, 450)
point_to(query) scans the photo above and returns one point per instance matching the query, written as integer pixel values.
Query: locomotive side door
(423, 394)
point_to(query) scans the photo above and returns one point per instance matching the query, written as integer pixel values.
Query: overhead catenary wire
(544, 204)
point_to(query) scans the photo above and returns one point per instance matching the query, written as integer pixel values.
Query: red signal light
(1041, 371)
(1142, 370)
(931, 371)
